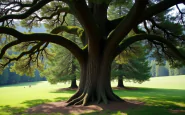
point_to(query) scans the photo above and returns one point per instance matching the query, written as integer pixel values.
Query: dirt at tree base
(115, 88)
(60, 107)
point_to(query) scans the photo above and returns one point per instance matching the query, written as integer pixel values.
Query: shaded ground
(67, 89)
(115, 88)
(125, 88)
(60, 107)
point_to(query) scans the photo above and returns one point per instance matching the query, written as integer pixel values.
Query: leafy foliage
(134, 67)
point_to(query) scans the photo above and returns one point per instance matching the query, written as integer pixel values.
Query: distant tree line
(8, 77)
(165, 69)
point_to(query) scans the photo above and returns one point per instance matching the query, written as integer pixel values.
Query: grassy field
(161, 94)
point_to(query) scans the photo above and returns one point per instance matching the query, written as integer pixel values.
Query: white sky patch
(176, 11)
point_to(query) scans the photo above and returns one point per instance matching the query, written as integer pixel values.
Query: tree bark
(94, 83)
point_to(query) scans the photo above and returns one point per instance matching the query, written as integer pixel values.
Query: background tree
(63, 61)
(103, 39)
(153, 68)
(4, 77)
(161, 71)
(132, 65)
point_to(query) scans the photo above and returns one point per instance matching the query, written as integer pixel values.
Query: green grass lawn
(160, 95)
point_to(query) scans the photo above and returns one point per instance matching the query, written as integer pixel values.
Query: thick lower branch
(127, 42)
(27, 13)
(44, 37)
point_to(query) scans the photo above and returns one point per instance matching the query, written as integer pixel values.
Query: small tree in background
(63, 67)
(131, 65)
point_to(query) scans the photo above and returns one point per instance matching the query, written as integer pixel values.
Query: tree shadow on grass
(157, 102)
(8, 110)
(63, 91)
(32, 103)
(60, 107)
(165, 100)
(157, 94)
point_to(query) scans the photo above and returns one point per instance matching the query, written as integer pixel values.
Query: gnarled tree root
(83, 98)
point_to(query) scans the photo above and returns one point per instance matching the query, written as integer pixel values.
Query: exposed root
(90, 96)
(86, 99)
(77, 94)
(104, 97)
(77, 100)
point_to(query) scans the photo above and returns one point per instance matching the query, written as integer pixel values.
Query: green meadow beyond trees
(100, 37)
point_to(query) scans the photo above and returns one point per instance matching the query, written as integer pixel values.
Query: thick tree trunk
(96, 67)
(94, 84)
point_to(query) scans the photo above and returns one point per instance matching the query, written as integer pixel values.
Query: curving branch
(43, 37)
(168, 33)
(9, 45)
(149, 12)
(130, 21)
(153, 38)
(34, 8)
(113, 23)
(32, 51)
(182, 15)
(14, 4)
(55, 13)
(71, 30)
(160, 7)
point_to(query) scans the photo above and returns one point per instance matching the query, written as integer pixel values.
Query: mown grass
(160, 95)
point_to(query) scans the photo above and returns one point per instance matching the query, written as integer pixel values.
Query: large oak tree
(103, 39)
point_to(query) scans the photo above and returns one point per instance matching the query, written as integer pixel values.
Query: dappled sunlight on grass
(9, 110)
(31, 103)
(15, 99)
(161, 100)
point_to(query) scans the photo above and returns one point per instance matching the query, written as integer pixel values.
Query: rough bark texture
(95, 84)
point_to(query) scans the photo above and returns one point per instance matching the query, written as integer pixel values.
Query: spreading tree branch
(182, 14)
(158, 8)
(13, 43)
(130, 21)
(153, 38)
(32, 51)
(149, 12)
(34, 8)
(71, 30)
(43, 37)
(163, 29)
(55, 13)
(12, 6)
